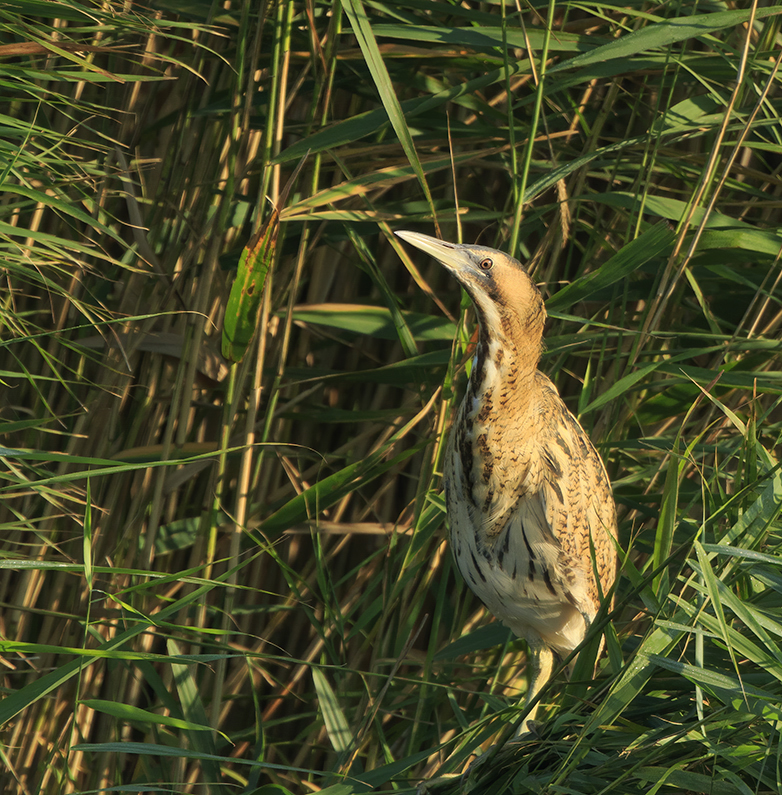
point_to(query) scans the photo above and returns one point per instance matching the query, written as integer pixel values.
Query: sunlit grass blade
(655, 242)
(374, 60)
(244, 302)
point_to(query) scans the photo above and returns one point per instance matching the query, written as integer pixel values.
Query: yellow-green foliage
(226, 578)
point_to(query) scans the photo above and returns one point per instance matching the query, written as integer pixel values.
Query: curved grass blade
(366, 40)
(244, 302)
(656, 241)
(334, 719)
(663, 34)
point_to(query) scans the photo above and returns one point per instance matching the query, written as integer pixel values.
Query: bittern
(531, 514)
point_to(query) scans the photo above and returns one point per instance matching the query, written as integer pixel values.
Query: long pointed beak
(451, 255)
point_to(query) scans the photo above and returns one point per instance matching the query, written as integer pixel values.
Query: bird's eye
(486, 264)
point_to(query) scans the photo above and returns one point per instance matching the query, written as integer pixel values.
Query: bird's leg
(542, 661)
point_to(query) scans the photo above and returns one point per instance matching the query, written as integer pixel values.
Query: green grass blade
(655, 242)
(337, 726)
(374, 60)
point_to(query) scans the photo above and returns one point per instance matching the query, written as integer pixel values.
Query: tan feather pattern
(529, 503)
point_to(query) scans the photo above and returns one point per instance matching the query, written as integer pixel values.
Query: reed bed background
(233, 577)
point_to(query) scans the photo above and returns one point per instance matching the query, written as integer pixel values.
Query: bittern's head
(506, 299)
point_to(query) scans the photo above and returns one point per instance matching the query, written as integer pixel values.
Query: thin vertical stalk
(518, 214)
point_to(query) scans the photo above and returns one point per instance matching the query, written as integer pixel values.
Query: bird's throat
(501, 382)
(490, 430)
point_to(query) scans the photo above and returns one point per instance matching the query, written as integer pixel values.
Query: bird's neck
(495, 422)
(502, 379)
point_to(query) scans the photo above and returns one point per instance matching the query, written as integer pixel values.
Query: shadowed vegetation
(227, 576)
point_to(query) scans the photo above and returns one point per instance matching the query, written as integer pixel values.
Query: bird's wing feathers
(578, 504)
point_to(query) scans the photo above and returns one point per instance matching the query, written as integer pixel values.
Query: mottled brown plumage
(529, 504)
